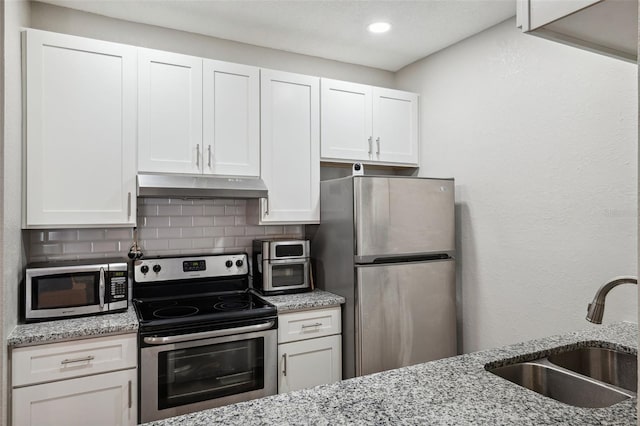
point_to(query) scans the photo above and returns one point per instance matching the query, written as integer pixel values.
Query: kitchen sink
(590, 377)
(609, 366)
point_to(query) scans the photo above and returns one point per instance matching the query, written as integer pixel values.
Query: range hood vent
(172, 186)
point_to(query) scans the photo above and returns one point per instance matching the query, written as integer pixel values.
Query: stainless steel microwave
(281, 266)
(62, 290)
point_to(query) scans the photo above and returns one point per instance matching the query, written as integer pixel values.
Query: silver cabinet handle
(207, 334)
(317, 324)
(284, 368)
(378, 142)
(209, 156)
(130, 398)
(101, 287)
(74, 360)
(370, 146)
(129, 205)
(266, 206)
(198, 155)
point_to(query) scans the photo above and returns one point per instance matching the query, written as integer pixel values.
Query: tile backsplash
(165, 227)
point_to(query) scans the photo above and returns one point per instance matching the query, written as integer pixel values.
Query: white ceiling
(332, 29)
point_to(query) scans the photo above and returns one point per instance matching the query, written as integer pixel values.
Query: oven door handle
(207, 334)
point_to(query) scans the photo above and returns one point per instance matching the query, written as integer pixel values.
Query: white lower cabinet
(309, 363)
(90, 381)
(104, 399)
(309, 349)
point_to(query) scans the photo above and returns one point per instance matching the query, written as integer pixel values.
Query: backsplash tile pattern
(165, 227)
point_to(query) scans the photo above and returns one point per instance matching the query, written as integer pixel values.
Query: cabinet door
(346, 121)
(309, 363)
(290, 137)
(231, 119)
(543, 12)
(395, 126)
(169, 112)
(80, 132)
(104, 399)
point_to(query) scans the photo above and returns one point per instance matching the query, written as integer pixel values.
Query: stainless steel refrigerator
(386, 244)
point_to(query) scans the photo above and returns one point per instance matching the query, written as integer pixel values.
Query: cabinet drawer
(57, 361)
(309, 324)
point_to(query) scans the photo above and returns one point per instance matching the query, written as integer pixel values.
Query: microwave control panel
(118, 285)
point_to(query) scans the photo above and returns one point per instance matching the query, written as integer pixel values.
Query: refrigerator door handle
(378, 260)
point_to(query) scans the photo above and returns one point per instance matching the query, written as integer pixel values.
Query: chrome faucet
(595, 310)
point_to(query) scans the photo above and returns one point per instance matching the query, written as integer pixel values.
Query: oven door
(193, 375)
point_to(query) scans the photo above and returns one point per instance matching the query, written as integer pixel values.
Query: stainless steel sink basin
(589, 377)
(559, 385)
(609, 366)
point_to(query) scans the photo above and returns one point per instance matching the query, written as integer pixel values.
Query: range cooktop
(186, 309)
(195, 290)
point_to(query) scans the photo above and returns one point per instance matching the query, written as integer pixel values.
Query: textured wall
(69, 21)
(542, 141)
(165, 227)
(16, 15)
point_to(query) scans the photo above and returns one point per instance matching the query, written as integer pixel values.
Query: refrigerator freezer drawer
(405, 313)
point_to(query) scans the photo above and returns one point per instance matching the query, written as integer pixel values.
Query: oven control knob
(157, 268)
(239, 263)
(144, 269)
(228, 263)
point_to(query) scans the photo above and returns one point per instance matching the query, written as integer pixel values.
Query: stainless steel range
(206, 339)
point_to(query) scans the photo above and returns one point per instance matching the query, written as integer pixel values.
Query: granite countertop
(126, 322)
(299, 301)
(451, 391)
(74, 328)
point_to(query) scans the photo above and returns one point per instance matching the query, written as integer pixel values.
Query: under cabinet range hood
(176, 186)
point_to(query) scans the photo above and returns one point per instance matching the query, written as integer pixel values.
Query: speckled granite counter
(310, 300)
(452, 391)
(75, 328)
(127, 322)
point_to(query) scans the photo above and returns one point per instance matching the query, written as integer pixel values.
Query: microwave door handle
(101, 288)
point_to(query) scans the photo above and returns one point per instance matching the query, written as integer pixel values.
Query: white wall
(542, 141)
(58, 19)
(16, 15)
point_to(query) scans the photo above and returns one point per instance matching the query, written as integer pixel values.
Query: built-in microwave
(70, 289)
(281, 266)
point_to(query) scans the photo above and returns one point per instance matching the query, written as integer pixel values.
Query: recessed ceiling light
(379, 27)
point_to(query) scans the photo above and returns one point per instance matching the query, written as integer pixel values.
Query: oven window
(64, 290)
(287, 275)
(197, 374)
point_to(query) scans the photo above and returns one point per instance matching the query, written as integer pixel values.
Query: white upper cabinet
(80, 132)
(346, 120)
(609, 27)
(169, 112)
(395, 126)
(231, 119)
(369, 124)
(290, 147)
(197, 116)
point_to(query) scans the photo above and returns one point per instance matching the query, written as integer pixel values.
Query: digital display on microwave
(64, 290)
